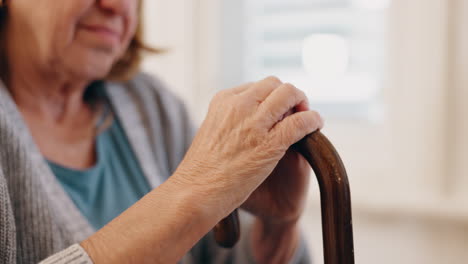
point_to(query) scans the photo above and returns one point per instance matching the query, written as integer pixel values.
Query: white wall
(409, 175)
(191, 67)
(170, 25)
(457, 123)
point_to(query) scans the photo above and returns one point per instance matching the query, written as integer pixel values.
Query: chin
(95, 73)
(91, 66)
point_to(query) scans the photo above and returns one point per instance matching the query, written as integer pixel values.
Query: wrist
(212, 187)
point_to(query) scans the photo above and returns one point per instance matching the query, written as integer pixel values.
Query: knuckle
(217, 99)
(289, 88)
(302, 94)
(293, 92)
(296, 91)
(219, 95)
(274, 80)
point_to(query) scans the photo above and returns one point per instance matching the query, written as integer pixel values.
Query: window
(331, 49)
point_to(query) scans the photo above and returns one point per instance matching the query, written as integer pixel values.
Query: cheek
(65, 29)
(134, 14)
(132, 24)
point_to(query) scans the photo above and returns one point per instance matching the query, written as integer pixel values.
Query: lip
(103, 31)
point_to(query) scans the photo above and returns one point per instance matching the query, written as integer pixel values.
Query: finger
(282, 100)
(295, 127)
(242, 88)
(262, 89)
(303, 106)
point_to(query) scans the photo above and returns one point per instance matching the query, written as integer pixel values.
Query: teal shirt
(110, 187)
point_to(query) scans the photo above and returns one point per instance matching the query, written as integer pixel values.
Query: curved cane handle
(335, 198)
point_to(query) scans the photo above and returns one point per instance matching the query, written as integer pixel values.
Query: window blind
(332, 49)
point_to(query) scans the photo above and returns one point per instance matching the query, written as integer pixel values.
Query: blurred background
(389, 76)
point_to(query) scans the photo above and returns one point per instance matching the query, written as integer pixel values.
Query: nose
(117, 6)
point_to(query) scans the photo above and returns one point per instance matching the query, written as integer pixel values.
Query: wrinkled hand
(281, 198)
(247, 131)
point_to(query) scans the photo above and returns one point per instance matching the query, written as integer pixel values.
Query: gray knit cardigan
(38, 220)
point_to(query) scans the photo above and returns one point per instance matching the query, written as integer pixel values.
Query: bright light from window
(325, 56)
(332, 49)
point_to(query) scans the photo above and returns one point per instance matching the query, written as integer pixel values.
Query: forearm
(160, 228)
(274, 243)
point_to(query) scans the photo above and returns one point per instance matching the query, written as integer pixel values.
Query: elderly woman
(97, 163)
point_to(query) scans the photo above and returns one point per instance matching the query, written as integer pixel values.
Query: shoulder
(146, 101)
(156, 97)
(153, 99)
(150, 85)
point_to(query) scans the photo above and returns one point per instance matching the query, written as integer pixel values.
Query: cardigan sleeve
(74, 254)
(7, 224)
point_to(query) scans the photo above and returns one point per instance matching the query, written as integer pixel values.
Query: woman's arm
(160, 228)
(142, 241)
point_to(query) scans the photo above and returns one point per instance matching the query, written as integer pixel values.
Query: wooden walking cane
(335, 198)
